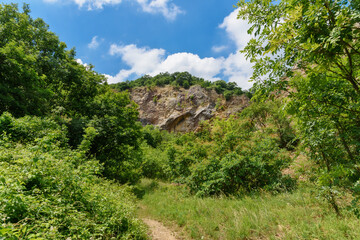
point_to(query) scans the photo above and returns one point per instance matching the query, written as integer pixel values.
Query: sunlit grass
(297, 215)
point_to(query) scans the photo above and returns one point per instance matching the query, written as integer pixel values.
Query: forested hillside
(76, 162)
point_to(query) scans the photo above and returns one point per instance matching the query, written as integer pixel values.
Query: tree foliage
(116, 143)
(320, 36)
(49, 191)
(232, 156)
(185, 80)
(39, 76)
(311, 49)
(37, 73)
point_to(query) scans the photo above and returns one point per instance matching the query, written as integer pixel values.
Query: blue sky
(125, 39)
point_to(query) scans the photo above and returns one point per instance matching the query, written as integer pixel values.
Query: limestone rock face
(181, 110)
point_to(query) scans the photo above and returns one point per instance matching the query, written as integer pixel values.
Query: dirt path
(158, 230)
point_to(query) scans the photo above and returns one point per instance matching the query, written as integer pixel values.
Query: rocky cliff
(181, 110)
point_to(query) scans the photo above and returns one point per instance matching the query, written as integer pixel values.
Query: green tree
(311, 49)
(37, 73)
(319, 35)
(38, 76)
(117, 142)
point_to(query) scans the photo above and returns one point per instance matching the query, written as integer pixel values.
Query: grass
(297, 215)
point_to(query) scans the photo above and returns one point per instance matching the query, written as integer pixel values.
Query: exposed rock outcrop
(181, 110)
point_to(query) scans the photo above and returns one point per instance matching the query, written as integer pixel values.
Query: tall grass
(297, 215)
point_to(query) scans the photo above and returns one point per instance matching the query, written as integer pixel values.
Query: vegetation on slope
(40, 77)
(234, 156)
(49, 191)
(312, 48)
(296, 215)
(185, 80)
(37, 73)
(69, 137)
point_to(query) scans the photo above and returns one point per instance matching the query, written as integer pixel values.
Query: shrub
(48, 191)
(234, 156)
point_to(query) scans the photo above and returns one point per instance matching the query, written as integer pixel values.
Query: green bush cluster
(49, 191)
(185, 80)
(235, 156)
(154, 159)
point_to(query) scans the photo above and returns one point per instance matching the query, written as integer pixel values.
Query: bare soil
(158, 231)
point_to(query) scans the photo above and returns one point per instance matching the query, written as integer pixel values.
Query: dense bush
(238, 155)
(154, 159)
(117, 142)
(256, 166)
(231, 159)
(48, 191)
(185, 80)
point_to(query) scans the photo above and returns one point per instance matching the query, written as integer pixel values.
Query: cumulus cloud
(144, 60)
(153, 61)
(207, 68)
(79, 61)
(218, 49)
(141, 60)
(165, 7)
(236, 67)
(236, 29)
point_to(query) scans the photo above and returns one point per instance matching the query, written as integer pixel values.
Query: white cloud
(95, 43)
(165, 7)
(236, 29)
(219, 49)
(79, 61)
(144, 60)
(207, 68)
(141, 60)
(96, 4)
(169, 10)
(238, 69)
(153, 61)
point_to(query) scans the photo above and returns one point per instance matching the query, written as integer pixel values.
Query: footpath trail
(158, 230)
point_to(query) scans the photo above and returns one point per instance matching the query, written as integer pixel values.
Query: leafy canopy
(317, 35)
(37, 73)
(311, 49)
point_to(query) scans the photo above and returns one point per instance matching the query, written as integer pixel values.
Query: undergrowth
(49, 191)
(296, 215)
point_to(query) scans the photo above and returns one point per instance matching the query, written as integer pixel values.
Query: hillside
(82, 159)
